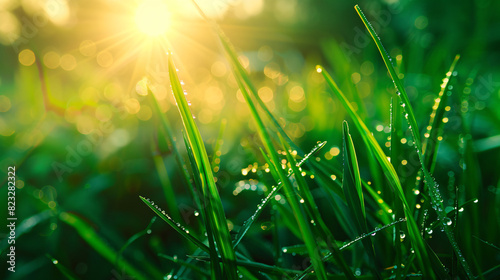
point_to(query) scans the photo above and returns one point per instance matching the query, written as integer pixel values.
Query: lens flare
(152, 18)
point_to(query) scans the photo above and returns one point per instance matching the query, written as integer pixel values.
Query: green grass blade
(430, 144)
(401, 92)
(214, 264)
(168, 132)
(312, 210)
(471, 179)
(242, 76)
(329, 256)
(300, 249)
(98, 244)
(351, 183)
(303, 223)
(488, 243)
(64, 270)
(134, 237)
(248, 223)
(386, 216)
(185, 264)
(166, 184)
(353, 192)
(241, 79)
(259, 267)
(396, 147)
(215, 212)
(492, 273)
(175, 225)
(390, 173)
(409, 115)
(26, 226)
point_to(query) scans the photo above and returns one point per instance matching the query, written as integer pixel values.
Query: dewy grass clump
(330, 161)
(405, 234)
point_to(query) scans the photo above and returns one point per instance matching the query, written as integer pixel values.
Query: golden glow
(152, 17)
(27, 57)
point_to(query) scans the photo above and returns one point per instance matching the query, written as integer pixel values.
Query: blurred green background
(85, 139)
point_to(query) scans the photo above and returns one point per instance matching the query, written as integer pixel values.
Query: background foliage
(87, 140)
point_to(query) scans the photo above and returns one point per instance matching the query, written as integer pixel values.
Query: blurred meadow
(94, 119)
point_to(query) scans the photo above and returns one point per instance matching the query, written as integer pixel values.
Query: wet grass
(415, 258)
(364, 216)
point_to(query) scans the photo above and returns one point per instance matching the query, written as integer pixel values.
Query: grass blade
(371, 143)
(259, 267)
(215, 267)
(308, 270)
(401, 92)
(353, 192)
(436, 199)
(430, 143)
(351, 183)
(26, 226)
(215, 212)
(312, 210)
(165, 124)
(166, 184)
(64, 270)
(176, 226)
(244, 82)
(396, 147)
(185, 264)
(134, 237)
(303, 223)
(97, 243)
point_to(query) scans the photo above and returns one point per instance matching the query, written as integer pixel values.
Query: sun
(152, 18)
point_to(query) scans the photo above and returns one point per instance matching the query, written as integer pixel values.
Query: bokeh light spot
(421, 22)
(52, 60)
(219, 69)
(265, 53)
(132, 105)
(145, 113)
(27, 57)
(297, 94)
(266, 94)
(5, 104)
(9, 27)
(68, 62)
(88, 48)
(104, 59)
(103, 113)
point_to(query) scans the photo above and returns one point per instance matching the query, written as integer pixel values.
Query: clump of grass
(327, 256)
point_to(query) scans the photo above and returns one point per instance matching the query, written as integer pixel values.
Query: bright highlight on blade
(152, 18)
